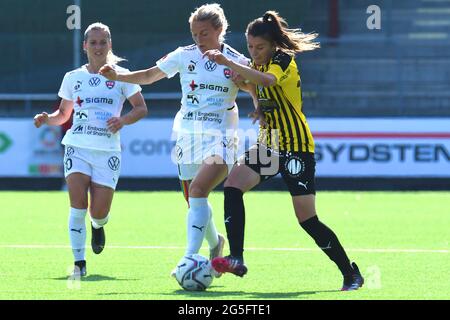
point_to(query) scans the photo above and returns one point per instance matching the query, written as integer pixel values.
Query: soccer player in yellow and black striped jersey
(285, 143)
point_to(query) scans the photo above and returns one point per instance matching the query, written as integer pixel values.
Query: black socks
(235, 220)
(326, 239)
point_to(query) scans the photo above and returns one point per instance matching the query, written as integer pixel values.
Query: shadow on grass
(96, 277)
(247, 294)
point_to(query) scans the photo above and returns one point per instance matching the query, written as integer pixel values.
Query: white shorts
(102, 166)
(190, 152)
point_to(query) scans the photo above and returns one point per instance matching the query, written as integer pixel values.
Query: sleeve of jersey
(244, 60)
(65, 91)
(276, 70)
(130, 89)
(170, 63)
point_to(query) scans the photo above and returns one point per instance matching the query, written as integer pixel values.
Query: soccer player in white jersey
(207, 122)
(92, 145)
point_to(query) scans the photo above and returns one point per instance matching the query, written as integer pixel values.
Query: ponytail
(272, 27)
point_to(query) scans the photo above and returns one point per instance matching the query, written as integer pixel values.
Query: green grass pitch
(399, 240)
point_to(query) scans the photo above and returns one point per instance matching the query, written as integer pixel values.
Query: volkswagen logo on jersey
(94, 82)
(210, 65)
(295, 166)
(110, 84)
(227, 73)
(114, 163)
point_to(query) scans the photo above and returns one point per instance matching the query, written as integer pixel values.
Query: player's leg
(78, 185)
(327, 240)
(248, 172)
(215, 240)
(101, 199)
(105, 176)
(77, 174)
(211, 173)
(298, 171)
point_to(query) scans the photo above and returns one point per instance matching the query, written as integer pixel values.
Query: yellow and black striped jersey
(287, 128)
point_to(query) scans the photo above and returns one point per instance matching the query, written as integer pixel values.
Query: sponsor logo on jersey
(191, 67)
(94, 82)
(81, 115)
(232, 53)
(210, 65)
(214, 87)
(227, 73)
(213, 101)
(77, 87)
(79, 101)
(193, 85)
(193, 99)
(110, 84)
(295, 166)
(99, 100)
(78, 130)
(102, 115)
(114, 163)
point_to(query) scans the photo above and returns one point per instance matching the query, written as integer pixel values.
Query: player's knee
(78, 203)
(233, 182)
(98, 213)
(197, 190)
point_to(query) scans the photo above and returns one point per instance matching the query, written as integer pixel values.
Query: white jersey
(208, 94)
(96, 99)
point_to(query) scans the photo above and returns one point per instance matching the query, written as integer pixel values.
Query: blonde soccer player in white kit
(92, 156)
(205, 125)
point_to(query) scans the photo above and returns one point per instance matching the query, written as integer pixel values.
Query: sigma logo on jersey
(94, 82)
(110, 84)
(79, 101)
(98, 100)
(212, 87)
(295, 166)
(210, 65)
(193, 99)
(81, 115)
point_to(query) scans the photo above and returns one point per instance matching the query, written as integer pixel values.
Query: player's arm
(254, 76)
(57, 118)
(147, 76)
(138, 112)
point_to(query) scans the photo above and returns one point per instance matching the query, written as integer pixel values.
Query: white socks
(200, 225)
(211, 232)
(98, 223)
(77, 232)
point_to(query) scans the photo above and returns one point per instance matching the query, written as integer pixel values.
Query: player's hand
(237, 78)
(40, 119)
(216, 56)
(108, 72)
(115, 124)
(258, 115)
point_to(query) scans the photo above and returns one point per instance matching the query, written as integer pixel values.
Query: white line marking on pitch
(40, 246)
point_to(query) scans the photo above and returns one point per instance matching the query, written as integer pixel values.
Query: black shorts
(297, 168)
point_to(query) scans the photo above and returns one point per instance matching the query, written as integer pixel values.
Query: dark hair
(274, 28)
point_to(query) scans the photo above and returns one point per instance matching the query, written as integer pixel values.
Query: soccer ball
(194, 273)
